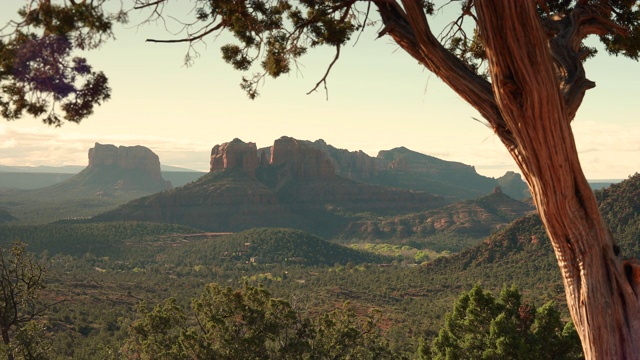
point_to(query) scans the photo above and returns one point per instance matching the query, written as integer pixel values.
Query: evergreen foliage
(21, 282)
(483, 327)
(40, 74)
(250, 324)
(276, 245)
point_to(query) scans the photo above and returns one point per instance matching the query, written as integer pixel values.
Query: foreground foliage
(483, 327)
(21, 281)
(249, 324)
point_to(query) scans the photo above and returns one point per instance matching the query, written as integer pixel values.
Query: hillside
(469, 219)
(112, 266)
(522, 253)
(269, 246)
(519, 254)
(144, 243)
(122, 240)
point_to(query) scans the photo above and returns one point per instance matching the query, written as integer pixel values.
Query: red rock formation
(127, 158)
(354, 165)
(125, 161)
(302, 159)
(235, 155)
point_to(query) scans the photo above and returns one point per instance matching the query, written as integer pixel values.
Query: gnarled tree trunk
(602, 301)
(530, 107)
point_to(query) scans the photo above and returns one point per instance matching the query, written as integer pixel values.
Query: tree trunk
(602, 299)
(7, 342)
(530, 105)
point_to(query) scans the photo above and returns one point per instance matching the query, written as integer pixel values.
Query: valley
(403, 234)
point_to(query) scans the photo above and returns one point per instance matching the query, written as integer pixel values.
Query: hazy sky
(379, 98)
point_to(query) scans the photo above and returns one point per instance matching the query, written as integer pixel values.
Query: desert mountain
(292, 185)
(407, 169)
(114, 169)
(113, 176)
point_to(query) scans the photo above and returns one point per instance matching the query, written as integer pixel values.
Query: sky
(378, 98)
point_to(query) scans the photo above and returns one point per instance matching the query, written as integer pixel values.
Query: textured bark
(602, 302)
(537, 84)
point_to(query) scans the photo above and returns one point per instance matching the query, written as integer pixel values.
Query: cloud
(8, 144)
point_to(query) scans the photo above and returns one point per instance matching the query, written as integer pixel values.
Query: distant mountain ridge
(407, 169)
(296, 187)
(65, 169)
(74, 169)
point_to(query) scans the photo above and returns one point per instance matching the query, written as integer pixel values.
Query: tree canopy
(40, 74)
(483, 327)
(248, 323)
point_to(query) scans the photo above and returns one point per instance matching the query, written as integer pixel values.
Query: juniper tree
(21, 281)
(483, 327)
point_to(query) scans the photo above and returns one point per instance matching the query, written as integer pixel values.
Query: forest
(126, 289)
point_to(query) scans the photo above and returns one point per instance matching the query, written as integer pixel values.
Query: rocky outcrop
(127, 158)
(235, 155)
(122, 168)
(303, 161)
(350, 164)
(293, 159)
(513, 185)
(403, 159)
(290, 159)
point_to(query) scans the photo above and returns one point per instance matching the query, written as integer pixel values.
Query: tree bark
(601, 299)
(529, 109)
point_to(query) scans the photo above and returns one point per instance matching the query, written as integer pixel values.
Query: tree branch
(190, 38)
(566, 32)
(326, 74)
(142, 6)
(409, 27)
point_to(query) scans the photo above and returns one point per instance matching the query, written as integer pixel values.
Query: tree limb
(326, 74)
(409, 27)
(189, 38)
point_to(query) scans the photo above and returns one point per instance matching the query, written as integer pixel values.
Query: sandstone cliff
(293, 184)
(407, 169)
(307, 185)
(303, 161)
(121, 168)
(350, 164)
(235, 155)
(126, 157)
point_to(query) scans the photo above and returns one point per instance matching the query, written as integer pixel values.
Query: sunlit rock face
(300, 159)
(137, 165)
(235, 154)
(303, 160)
